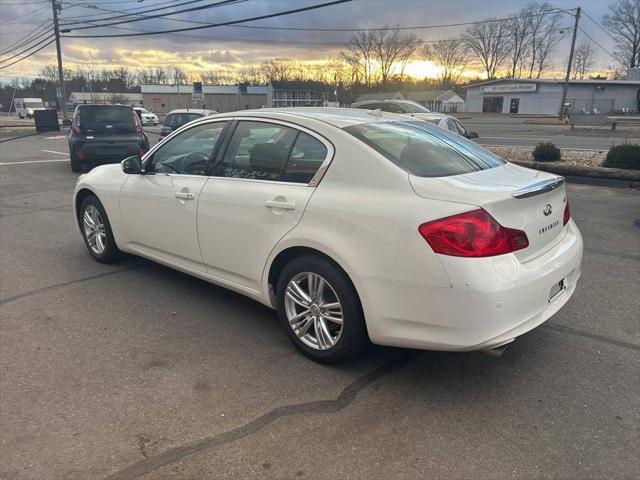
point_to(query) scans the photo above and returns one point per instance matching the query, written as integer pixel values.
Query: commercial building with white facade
(543, 96)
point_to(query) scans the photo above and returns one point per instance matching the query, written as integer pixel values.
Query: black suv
(105, 134)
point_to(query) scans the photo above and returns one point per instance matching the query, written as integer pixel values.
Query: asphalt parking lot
(133, 370)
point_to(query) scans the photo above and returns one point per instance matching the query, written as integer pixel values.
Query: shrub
(623, 156)
(546, 152)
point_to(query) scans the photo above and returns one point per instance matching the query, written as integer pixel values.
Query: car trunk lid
(516, 197)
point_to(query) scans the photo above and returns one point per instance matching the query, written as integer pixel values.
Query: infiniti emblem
(547, 210)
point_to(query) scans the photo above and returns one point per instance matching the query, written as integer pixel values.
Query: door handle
(280, 204)
(185, 195)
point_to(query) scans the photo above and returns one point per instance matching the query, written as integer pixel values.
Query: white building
(536, 96)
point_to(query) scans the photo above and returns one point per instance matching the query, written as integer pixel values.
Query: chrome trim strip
(539, 188)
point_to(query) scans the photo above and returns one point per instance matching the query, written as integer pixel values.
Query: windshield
(411, 107)
(423, 150)
(33, 104)
(175, 120)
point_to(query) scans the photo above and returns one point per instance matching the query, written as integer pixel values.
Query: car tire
(102, 245)
(76, 165)
(339, 341)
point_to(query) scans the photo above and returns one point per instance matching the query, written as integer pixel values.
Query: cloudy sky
(230, 47)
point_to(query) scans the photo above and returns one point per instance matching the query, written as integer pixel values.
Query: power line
(599, 26)
(27, 56)
(27, 49)
(231, 22)
(159, 15)
(596, 43)
(94, 7)
(32, 35)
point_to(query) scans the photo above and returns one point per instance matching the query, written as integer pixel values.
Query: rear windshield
(112, 115)
(424, 150)
(178, 119)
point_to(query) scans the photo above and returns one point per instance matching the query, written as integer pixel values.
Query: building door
(492, 104)
(514, 106)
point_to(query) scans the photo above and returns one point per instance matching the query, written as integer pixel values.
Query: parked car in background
(105, 134)
(415, 110)
(147, 117)
(25, 107)
(177, 118)
(353, 226)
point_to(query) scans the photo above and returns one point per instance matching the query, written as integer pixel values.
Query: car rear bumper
(100, 153)
(490, 302)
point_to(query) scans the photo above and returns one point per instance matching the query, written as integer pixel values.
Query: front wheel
(96, 230)
(320, 311)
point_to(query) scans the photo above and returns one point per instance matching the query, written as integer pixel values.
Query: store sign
(509, 88)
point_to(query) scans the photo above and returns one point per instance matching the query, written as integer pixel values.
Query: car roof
(190, 110)
(386, 100)
(338, 117)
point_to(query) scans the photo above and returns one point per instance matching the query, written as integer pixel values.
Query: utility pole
(573, 46)
(63, 102)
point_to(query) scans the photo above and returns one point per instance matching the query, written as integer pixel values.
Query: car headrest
(267, 157)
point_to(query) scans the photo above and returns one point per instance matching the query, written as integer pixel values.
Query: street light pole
(55, 6)
(565, 86)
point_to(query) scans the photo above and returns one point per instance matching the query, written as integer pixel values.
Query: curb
(600, 176)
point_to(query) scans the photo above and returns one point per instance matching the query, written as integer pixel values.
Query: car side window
(307, 155)
(461, 130)
(189, 152)
(451, 125)
(392, 108)
(257, 150)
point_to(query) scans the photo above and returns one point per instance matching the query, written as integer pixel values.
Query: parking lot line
(53, 160)
(53, 151)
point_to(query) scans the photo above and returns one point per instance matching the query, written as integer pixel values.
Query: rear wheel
(96, 230)
(320, 311)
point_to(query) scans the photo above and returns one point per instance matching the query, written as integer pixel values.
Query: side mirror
(132, 165)
(472, 135)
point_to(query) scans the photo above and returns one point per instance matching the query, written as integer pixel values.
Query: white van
(25, 106)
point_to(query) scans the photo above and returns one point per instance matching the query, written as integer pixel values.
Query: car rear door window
(189, 152)
(307, 156)
(257, 150)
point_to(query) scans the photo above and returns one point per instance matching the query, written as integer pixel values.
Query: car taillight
(472, 234)
(80, 155)
(141, 153)
(567, 214)
(76, 123)
(138, 129)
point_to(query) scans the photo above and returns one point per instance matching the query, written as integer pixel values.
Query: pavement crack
(64, 284)
(626, 256)
(345, 398)
(142, 445)
(592, 336)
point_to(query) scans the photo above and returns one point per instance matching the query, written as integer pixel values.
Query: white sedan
(354, 225)
(146, 117)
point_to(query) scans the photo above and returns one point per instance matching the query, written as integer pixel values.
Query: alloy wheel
(94, 230)
(313, 310)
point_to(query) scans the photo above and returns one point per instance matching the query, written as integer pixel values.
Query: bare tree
(251, 75)
(490, 42)
(520, 33)
(545, 23)
(176, 75)
(124, 75)
(583, 60)
(49, 73)
(623, 22)
(278, 69)
(451, 55)
(360, 56)
(392, 49)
